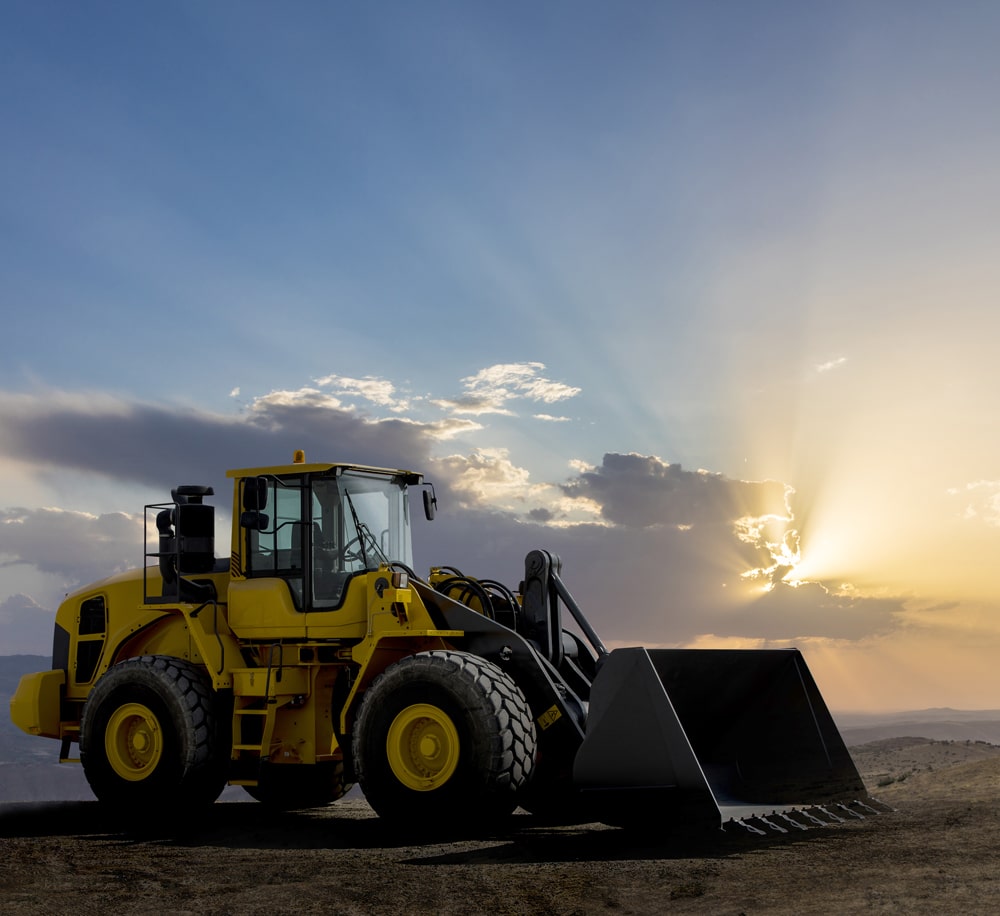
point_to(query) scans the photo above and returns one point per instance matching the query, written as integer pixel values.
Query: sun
(778, 543)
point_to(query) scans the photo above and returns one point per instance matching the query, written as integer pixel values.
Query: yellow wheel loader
(313, 657)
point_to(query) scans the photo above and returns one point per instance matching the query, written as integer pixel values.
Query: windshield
(359, 522)
(321, 531)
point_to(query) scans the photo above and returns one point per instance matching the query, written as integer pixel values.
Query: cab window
(278, 550)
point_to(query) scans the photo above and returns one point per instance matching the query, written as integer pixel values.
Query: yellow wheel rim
(422, 747)
(133, 741)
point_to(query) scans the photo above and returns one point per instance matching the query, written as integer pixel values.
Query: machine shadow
(523, 840)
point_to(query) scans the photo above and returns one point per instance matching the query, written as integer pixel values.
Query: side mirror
(255, 494)
(430, 503)
(254, 520)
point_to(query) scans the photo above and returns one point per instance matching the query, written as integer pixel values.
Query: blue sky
(547, 253)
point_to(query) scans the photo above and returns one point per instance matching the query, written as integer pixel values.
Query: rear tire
(443, 739)
(151, 739)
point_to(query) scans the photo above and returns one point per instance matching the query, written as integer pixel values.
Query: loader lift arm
(669, 735)
(543, 587)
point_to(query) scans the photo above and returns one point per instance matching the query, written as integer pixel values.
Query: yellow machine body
(312, 656)
(249, 636)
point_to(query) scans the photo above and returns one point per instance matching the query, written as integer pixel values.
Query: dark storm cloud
(787, 612)
(641, 490)
(665, 568)
(656, 585)
(74, 546)
(163, 446)
(673, 567)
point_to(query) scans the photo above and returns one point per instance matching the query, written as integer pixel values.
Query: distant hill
(13, 666)
(43, 782)
(15, 745)
(893, 760)
(935, 724)
(29, 768)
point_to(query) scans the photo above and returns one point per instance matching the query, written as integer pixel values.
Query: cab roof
(334, 468)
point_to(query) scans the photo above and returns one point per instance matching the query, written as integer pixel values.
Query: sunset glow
(702, 304)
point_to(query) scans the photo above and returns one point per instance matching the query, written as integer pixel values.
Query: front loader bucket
(708, 735)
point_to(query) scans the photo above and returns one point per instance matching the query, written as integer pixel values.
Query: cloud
(831, 364)
(488, 477)
(667, 563)
(262, 406)
(810, 610)
(475, 406)
(162, 446)
(659, 563)
(378, 391)
(450, 428)
(25, 627)
(982, 501)
(639, 491)
(653, 586)
(76, 547)
(490, 389)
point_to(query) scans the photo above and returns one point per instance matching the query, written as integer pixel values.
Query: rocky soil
(938, 851)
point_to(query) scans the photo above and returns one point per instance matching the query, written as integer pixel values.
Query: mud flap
(676, 736)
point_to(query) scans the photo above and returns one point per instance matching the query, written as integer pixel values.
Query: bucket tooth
(864, 807)
(763, 822)
(855, 814)
(788, 819)
(809, 816)
(739, 821)
(833, 817)
(880, 807)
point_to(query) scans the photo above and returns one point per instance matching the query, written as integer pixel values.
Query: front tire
(443, 738)
(151, 738)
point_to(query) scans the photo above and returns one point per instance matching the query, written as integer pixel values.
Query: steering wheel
(352, 552)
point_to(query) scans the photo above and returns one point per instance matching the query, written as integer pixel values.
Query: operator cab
(318, 526)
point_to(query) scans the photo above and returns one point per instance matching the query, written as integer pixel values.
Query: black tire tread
(487, 693)
(183, 687)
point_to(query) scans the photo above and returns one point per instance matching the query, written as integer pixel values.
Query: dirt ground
(938, 851)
